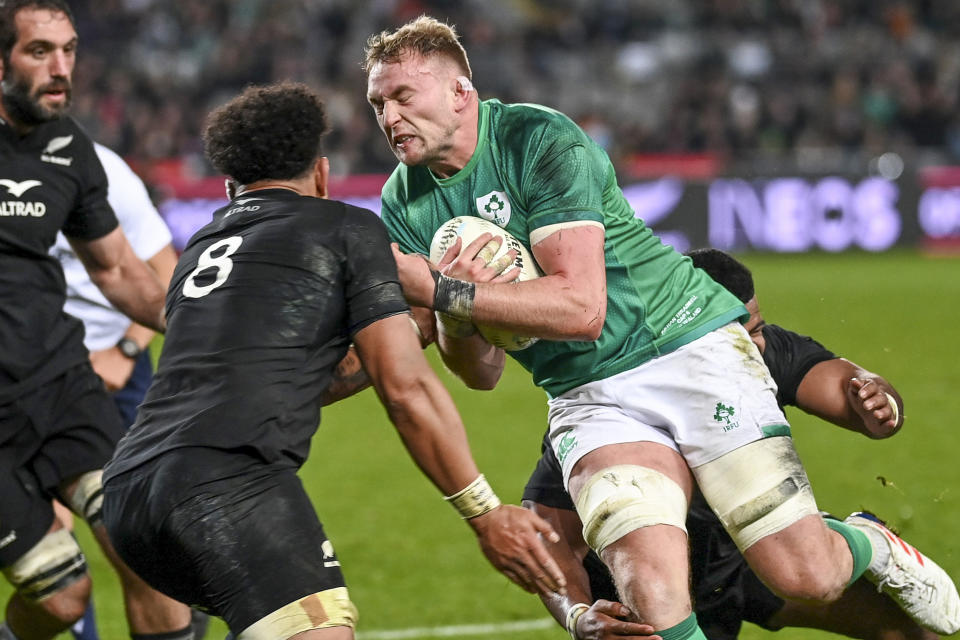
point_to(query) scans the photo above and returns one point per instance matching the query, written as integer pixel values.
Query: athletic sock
(5, 633)
(881, 550)
(686, 630)
(183, 634)
(86, 627)
(865, 554)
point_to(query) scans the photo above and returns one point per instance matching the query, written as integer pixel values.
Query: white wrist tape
(476, 499)
(573, 614)
(894, 407)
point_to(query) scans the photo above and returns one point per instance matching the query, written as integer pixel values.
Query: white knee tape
(52, 564)
(87, 498)
(330, 608)
(623, 498)
(757, 490)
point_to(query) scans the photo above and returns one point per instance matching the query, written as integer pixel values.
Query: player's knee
(645, 586)
(86, 499)
(53, 574)
(624, 498)
(70, 603)
(757, 490)
(807, 585)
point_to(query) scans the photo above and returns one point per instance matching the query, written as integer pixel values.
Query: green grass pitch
(410, 562)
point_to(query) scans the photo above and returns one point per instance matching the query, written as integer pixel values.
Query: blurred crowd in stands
(749, 80)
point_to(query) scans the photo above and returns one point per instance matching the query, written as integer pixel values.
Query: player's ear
(463, 84)
(321, 174)
(463, 89)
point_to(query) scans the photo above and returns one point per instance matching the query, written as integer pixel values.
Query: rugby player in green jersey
(653, 383)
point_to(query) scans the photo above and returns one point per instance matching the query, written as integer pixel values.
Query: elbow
(481, 384)
(102, 278)
(478, 378)
(588, 325)
(401, 397)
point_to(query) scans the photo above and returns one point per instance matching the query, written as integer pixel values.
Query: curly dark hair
(268, 132)
(726, 270)
(8, 25)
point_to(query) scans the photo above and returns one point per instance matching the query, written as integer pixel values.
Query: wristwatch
(129, 348)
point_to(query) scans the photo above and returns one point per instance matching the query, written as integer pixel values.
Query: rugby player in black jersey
(202, 497)
(726, 591)
(58, 426)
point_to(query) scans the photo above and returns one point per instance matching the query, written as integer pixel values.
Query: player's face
(755, 324)
(36, 82)
(413, 102)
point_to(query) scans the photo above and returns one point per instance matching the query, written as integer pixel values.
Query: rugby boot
(914, 581)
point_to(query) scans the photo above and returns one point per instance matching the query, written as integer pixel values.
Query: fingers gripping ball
(468, 228)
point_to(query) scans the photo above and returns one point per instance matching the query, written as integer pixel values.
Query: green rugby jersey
(534, 167)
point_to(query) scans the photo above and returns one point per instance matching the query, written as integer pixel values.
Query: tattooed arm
(348, 378)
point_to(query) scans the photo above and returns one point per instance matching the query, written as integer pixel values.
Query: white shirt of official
(147, 233)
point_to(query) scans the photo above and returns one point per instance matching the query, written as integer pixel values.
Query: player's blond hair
(425, 36)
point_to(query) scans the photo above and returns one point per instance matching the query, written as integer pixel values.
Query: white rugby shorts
(704, 399)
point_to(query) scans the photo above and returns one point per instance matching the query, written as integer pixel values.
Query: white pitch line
(457, 630)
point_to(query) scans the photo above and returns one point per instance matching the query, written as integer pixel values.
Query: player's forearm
(349, 378)
(578, 590)
(135, 290)
(841, 392)
(475, 361)
(551, 307)
(568, 553)
(430, 428)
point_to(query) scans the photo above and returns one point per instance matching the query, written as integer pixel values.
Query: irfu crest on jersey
(494, 207)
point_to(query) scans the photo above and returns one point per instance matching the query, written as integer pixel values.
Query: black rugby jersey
(50, 180)
(260, 310)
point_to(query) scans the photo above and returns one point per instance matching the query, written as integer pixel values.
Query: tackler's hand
(415, 278)
(875, 405)
(606, 620)
(510, 537)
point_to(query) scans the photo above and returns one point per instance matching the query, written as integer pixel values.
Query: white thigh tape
(330, 608)
(757, 490)
(52, 564)
(87, 498)
(623, 498)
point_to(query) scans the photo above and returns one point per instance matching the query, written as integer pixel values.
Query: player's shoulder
(526, 112)
(784, 339)
(785, 346)
(309, 216)
(523, 121)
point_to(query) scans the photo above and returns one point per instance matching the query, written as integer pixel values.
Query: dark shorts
(129, 399)
(54, 433)
(221, 531)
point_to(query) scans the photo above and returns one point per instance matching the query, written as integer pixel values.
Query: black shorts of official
(52, 434)
(221, 531)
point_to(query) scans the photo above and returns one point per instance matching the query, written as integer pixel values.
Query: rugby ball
(468, 228)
